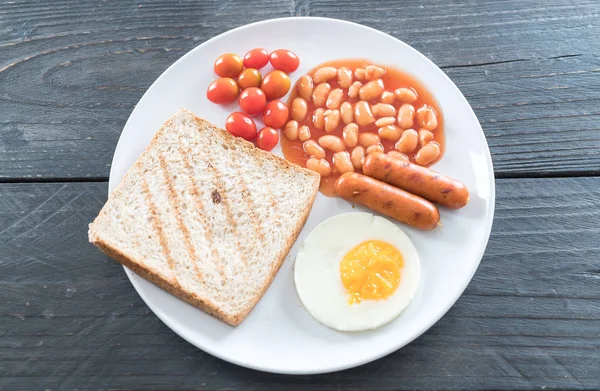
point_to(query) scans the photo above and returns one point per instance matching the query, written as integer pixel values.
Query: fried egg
(356, 271)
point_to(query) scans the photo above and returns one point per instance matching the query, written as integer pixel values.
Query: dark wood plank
(69, 318)
(71, 72)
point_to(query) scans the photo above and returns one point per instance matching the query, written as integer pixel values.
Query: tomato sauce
(393, 79)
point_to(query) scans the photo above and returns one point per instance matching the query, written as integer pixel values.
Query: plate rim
(166, 319)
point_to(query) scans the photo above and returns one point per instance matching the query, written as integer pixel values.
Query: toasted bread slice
(206, 216)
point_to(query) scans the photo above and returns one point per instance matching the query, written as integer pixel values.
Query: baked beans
(342, 162)
(428, 154)
(406, 115)
(305, 87)
(320, 94)
(313, 149)
(350, 134)
(362, 113)
(333, 143)
(347, 112)
(299, 109)
(409, 141)
(303, 133)
(365, 108)
(320, 166)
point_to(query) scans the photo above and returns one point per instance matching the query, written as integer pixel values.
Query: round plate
(279, 335)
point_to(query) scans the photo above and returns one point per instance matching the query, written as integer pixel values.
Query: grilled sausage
(418, 180)
(388, 200)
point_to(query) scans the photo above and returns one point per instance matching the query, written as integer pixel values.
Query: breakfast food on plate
(388, 200)
(356, 271)
(356, 108)
(206, 216)
(244, 75)
(418, 180)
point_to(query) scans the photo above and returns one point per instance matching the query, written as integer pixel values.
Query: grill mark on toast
(158, 228)
(208, 233)
(175, 201)
(224, 200)
(251, 206)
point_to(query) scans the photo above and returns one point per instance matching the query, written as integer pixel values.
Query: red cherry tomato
(275, 114)
(222, 90)
(241, 125)
(256, 58)
(252, 100)
(249, 77)
(284, 60)
(267, 138)
(228, 65)
(275, 84)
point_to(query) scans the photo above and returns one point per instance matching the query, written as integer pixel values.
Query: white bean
(318, 118)
(347, 112)
(291, 130)
(358, 156)
(388, 97)
(354, 89)
(299, 109)
(389, 132)
(344, 77)
(319, 165)
(362, 113)
(406, 95)
(368, 139)
(383, 110)
(427, 118)
(324, 74)
(334, 99)
(320, 94)
(332, 120)
(305, 87)
(312, 149)
(333, 143)
(409, 141)
(428, 154)
(350, 134)
(342, 162)
(371, 90)
(304, 133)
(406, 115)
(373, 72)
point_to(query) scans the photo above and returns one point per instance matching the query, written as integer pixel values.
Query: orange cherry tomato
(241, 125)
(284, 60)
(222, 90)
(267, 138)
(252, 100)
(256, 58)
(228, 65)
(249, 77)
(275, 84)
(275, 114)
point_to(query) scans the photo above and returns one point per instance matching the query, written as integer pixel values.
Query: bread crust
(171, 286)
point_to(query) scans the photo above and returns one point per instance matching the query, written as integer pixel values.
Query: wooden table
(70, 74)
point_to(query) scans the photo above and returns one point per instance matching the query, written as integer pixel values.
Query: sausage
(388, 200)
(418, 180)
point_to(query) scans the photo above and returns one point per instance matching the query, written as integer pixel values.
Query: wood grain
(70, 319)
(71, 72)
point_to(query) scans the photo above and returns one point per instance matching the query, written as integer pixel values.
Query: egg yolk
(371, 271)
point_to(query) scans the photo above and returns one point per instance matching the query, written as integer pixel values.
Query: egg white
(318, 280)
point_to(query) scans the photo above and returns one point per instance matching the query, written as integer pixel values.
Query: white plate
(279, 335)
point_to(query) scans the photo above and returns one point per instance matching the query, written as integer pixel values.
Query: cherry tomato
(241, 125)
(284, 60)
(256, 58)
(222, 90)
(275, 84)
(252, 100)
(228, 65)
(267, 138)
(275, 114)
(249, 77)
